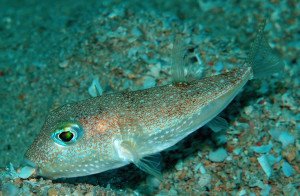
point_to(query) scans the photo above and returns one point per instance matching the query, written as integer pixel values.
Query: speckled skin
(153, 119)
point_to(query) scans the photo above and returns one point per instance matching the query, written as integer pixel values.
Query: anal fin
(217, 124)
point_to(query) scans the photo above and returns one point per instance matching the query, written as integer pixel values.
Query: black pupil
(66, 136)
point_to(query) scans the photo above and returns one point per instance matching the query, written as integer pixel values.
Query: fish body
(113, 130)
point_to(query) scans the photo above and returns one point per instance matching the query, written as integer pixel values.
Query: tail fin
(262, 58)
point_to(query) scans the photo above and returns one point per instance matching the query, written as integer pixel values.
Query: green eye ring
(67, 134)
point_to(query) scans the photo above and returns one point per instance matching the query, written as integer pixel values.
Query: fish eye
(66, 136)
(67, 133)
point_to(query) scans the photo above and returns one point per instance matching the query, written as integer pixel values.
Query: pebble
(219, 67)
(272, 159)
(91, 193)
(264, 163)
(286, 139)
(155, 70)
(282, 136)
(64, 64)
(40, 65)
(201, 168)
(95, 89)
(172, 192)
(289, 153)
(204, 180)
(26, 172)
(237, 151)
(149, 82)
(136, 32)
(248, 110)
(265, 190)
(287, 169)
(243, 192)
(218, 156)
(289, 101)
(52, 192)
(262, 149)
(179, 165)
(10, 189)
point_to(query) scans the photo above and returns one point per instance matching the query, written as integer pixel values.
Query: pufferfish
(113, 130)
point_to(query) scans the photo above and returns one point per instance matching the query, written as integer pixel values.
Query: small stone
(243, 192)
(89, 193)
(289, 153)
(52, 192)
(266, 166)
(64, 64)
(172, 192)
(248, 110)
(136, 32)
(237, 151)
(265, 190)
(182, 175)
(155, 70)
(282, 136)
(40, 65)
(262, 149)
(149, 82)
(290, 189)
(286, 139)
(95, 89)
(10, 189)
(26, 172)
(204, 180)
(179, 165)
(200, 167)
(287, 169)
(218, 156)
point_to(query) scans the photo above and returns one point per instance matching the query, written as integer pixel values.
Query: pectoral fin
(127, 151)
(151, 165)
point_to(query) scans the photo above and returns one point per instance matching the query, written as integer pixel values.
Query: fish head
(68, 147)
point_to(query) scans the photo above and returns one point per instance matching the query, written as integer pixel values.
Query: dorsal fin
(179, 63)
(181, 70)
